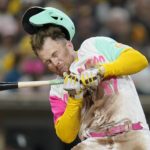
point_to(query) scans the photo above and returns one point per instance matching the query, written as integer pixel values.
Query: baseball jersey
(102, 50)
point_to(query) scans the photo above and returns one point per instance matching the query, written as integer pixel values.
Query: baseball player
(113, 117)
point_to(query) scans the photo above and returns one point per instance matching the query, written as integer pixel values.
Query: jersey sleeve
(66, 111)
(57, 101)
(57, 106)
(116, 58)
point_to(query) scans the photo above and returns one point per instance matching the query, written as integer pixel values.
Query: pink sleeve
(58, 106)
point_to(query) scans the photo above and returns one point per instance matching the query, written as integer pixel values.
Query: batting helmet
(36, 17)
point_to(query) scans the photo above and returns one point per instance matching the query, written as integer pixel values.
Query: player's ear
(69, 45)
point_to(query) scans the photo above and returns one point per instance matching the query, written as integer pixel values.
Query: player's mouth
(63, 69)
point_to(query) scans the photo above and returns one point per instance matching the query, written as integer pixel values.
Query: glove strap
(101, 70)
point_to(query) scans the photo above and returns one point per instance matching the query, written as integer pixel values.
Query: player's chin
(63, 70)
(60, 73)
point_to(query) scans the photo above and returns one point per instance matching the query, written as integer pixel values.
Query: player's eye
(48, 61)
(55, 54)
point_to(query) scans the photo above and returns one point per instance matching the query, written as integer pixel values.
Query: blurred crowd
(126, 21)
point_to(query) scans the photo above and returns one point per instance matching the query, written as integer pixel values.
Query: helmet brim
(27, 25)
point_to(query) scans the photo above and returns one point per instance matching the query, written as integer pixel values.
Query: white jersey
(127, 103)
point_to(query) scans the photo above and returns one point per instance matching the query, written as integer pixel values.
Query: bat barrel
(32, 84)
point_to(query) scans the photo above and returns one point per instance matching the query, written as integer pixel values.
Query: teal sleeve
(108, 47)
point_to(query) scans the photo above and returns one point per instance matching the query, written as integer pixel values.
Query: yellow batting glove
(90, 77)
(73, 86)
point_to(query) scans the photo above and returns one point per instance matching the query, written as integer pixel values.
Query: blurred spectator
(8, 32)
(120, 3)
(14, 7)
(140, 10)
(85, 24)
(25, 47)
(118, 25)
(55, 4)
(3, 6)
(31, 2)
(139, 36)
(101, 11)
(8, 25)
(33, 67)
(14, 73)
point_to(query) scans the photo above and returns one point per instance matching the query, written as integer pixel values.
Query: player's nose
(56, 62)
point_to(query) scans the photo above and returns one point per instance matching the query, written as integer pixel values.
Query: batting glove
(90, 77)
(73, 86)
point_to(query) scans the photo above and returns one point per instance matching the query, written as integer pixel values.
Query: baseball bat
(23, 84)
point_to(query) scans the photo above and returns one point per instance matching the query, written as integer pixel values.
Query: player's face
(57, 55)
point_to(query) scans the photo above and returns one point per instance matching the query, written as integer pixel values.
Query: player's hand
(90, 63)
(73, 86)
(90, 77)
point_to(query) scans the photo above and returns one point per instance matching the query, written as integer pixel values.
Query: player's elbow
(66, 138)
(143, 62)
(140, 60)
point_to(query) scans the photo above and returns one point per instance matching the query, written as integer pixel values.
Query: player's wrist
(76, 96)
(101, 70)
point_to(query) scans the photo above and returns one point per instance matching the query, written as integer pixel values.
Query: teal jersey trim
(108, 47)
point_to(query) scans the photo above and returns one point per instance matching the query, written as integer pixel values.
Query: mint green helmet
(36, 17)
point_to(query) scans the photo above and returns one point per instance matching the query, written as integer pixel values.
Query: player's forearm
(129, 62)
(67, 126)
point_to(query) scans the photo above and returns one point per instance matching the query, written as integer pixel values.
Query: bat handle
(8, 86)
